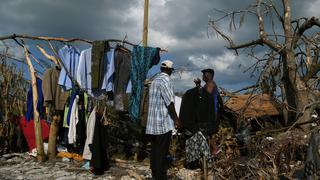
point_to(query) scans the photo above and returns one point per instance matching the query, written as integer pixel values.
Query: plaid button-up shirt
(160, 97)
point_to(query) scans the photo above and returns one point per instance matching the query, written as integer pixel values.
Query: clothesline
(143, 57)
(44, 38)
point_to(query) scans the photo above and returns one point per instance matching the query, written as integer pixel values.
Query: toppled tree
(291, 54)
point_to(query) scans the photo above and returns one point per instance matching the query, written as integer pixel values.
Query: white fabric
(84, 69)
(177, 104)
(108, 77)
(90, 131)
(74, 119)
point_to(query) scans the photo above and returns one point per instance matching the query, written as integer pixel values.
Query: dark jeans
(159, 150)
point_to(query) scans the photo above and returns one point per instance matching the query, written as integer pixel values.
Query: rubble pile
(265, 157)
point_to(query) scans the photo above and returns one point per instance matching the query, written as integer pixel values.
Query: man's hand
(197, 82)
(178, 123)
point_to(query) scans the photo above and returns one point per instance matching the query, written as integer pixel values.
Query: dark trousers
(99, 148)
(159, 150)
(121, 77)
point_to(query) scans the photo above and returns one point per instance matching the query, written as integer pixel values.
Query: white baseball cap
(167, 64)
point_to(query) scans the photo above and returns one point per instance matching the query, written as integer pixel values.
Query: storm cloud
(181, 26)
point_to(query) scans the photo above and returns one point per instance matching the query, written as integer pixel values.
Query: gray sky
(181, 26)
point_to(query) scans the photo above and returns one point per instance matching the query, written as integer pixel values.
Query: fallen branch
(302, 112)
(259, 133)
(134, 174)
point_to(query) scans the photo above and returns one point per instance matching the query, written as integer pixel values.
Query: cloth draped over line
(122, 65)
(69, 56)
(98, 63)
(143, 58)
(41, 110)
(52, 92)
(108, 80)
(99, 147)
(84, 74)
(90, 131)
(73, 96)
(74, 119)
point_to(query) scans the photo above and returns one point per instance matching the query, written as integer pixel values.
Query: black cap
(208, 70)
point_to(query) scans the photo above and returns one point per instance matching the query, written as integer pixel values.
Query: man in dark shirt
(212, 88)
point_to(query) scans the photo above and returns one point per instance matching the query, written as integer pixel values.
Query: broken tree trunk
(54, 128)
(36, 117)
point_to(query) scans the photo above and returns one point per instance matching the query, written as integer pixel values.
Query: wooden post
(54, 128)
(205, 168)
(37, 126)
(145, 23)
(144, 40)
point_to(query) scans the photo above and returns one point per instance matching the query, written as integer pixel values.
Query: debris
(134, 174)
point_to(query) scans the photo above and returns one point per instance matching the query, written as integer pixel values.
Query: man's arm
(220, 102)
(173, 115)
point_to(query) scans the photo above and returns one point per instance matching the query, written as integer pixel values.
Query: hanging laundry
(90, 131)
(122, 75)
(52, 92)
(74, 119)
(129, 87)
(66, 121)
(84, 70)
(84, 77)
(28, 131)
(99, 48)
(99, 147)
(65, 115)
(69, 56)
(143, 58)
(81, 125)
(40, 108)
(108, 82)
(196, 146)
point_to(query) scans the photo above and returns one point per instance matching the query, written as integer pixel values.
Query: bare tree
(291, 58)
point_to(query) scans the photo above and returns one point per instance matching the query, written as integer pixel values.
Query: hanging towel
(69, 56)
(143, 58)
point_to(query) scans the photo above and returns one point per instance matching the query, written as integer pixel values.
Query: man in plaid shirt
(162, 119)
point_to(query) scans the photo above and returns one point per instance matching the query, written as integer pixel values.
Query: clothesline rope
(45, 38)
